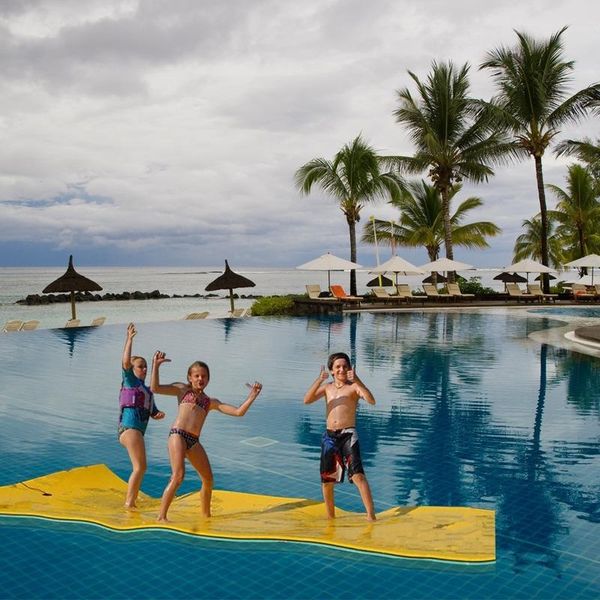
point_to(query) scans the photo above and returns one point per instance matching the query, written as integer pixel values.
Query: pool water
(470, 412)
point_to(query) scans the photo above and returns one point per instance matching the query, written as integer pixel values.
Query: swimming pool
(469, 412)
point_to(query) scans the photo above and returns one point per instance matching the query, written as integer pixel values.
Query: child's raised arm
(126, 360)
(169, 390)
(361, 389)
(242, 409)
(317, 390)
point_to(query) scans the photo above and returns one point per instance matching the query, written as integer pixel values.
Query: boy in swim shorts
(340, 451)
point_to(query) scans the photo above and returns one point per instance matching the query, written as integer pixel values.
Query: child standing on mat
(136, 403)
(339, 447)
(194, 406)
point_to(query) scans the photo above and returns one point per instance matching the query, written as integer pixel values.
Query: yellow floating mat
(95, 494)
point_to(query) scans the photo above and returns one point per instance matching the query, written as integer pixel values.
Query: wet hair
(333, 357)
(134, 358)
(201, 364)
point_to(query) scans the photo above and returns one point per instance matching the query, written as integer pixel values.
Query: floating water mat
(94, 494)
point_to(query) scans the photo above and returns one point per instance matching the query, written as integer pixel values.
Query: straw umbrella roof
(510, 278)
(229, 280)
(71, 281)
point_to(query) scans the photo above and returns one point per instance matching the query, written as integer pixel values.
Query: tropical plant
(353, 178)
(532, 104)
(453, 138)
(578, 213)
(586, 151)
(529, 243)
(421, 221)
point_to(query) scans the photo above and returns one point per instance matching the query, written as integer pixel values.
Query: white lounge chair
(12, 325)
(405, 292)
(197, 315)
(382, 294)
(535, 289)
(98, 321)
(314, 292)
(454, 291)
(515, 292)
(29, 325)
(73, 323)
(433, 294)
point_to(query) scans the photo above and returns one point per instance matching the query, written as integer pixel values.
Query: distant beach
(17, 283)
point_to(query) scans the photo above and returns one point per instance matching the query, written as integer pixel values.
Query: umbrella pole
(73, 314)
(231, 300)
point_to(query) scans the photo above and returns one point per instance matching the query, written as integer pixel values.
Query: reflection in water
(455, 452)
(469, 412)
(70, 336)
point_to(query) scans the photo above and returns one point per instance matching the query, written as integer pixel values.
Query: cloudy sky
(147, 132)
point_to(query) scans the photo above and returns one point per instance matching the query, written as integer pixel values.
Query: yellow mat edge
(466, 558)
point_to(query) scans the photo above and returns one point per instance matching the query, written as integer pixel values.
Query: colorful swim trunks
(340, 452)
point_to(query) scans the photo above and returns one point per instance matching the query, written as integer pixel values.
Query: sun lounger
(339, 293)
(432, 293)
(581, 293)
(12, 325)
(197, 315)
(238, 312)
(382, 295)
(454, 291)
(535, 289)
(516, 293)
(98, 321)
(405, 292)
(73, 323)
(314, 293)
(29, 325)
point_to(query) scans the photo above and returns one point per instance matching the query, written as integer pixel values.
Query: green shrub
(273, 305)
(473, 286)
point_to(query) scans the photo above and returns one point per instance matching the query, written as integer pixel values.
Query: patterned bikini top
(201, 400)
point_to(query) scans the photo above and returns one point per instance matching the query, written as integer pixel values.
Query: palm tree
(353, 178)
(578, 213)
(529, 243)
(586, 151)
(453, 138)
(422, 223)
(532, 103)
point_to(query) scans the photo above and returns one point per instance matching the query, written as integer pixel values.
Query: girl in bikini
(194, 406)
(136, 403)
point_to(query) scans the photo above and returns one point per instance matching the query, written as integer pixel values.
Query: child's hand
(131, 331)
(352, 376)
(159, 415)
(255, 389)
(160, 358)
(323, 375)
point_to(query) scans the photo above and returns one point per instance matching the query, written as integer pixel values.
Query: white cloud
(172, 130)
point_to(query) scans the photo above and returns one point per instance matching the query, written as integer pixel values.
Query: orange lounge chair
(339, 293)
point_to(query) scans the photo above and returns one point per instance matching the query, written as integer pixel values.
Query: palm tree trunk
(539, 174)
(447, 229)
(352, 230)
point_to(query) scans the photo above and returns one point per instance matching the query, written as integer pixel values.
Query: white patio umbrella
(527, 265)
(329, 262)
(398, 266)
(590, 260)
(445, 265)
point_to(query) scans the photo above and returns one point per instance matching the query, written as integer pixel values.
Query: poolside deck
(306, 306)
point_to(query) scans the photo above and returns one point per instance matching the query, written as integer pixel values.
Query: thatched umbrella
(510, 278)
(71, 282)
(439, 278)
(229, 281)
(380, 281)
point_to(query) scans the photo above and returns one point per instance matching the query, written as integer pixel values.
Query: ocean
(17, 283)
